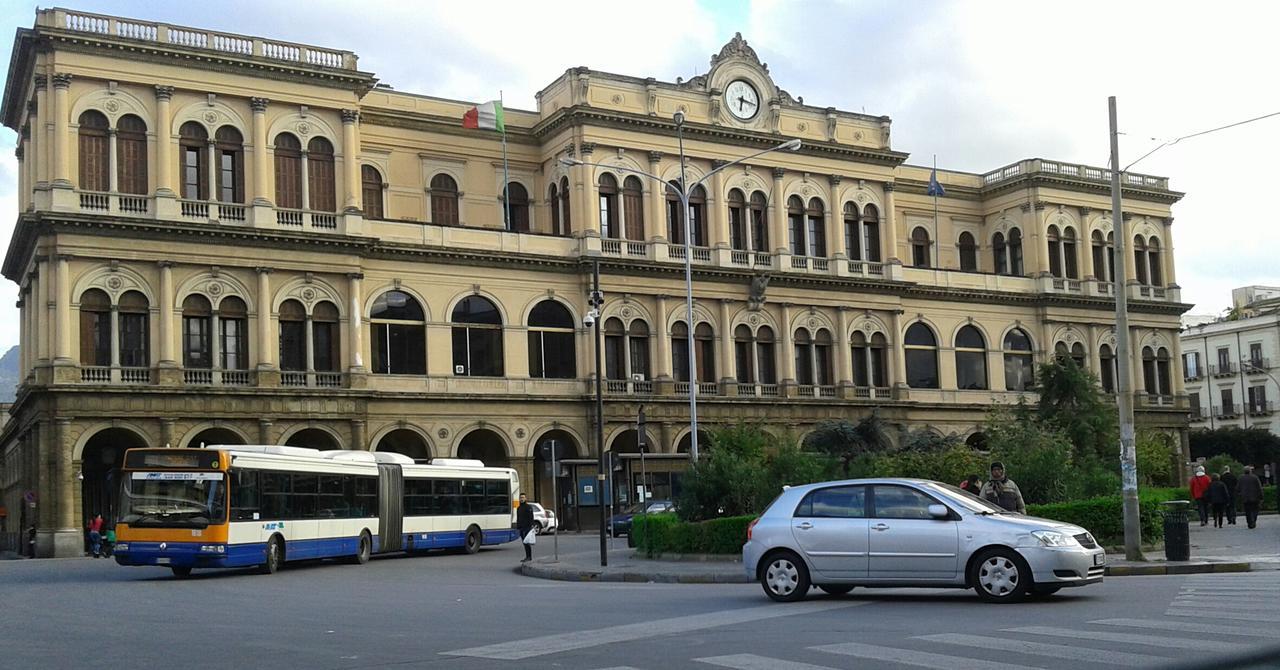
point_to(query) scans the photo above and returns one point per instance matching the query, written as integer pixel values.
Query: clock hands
(743, 101)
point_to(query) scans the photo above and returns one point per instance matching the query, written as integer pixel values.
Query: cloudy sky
(980, 84)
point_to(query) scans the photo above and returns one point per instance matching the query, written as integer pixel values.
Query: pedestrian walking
(108, 542)
(1218, 498)
(524, 525)
(1249, 493)
(95, 535)
(1000, 490)
(1200, 485)
(1229, 478)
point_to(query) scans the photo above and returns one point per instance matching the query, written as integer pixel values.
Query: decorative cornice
(889, 187)
(834, 179)
(40, 82)
(62, 80)
(779, 173)
(165, 264)
(164, 92)
(350, 115)
(259, 104)
(587, 148)
(655, 156)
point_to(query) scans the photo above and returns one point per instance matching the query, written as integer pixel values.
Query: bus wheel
(275, 556)
(473, 540)
(364, 550)
(180, 571)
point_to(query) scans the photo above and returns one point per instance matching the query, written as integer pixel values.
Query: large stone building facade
(1232, 365)
(231, 239)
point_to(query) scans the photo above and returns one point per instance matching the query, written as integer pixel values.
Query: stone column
(889, 228)
(844, 363)
(1176, 372)
(264, 431)
(61, 126)
(655, 226)
(1167, 259)
(43, 311)
(42, 133)
(351, 161)
(27, 156)
(261, 168)
(1130, 264)
(266, 348)
(115, 336)
(835, 220)
(166, 308)
(898, 354)
(1034, 233)
(360, 436)
(164, 142)
(68, 539)
(24, 338)
(63, 310)
(589, 207)
(355, 357)
(728, 363)
(306, 179)
(1091, 350)
(663, 366)
(167, 433)
(717, 219)
(1135, 363)
(778, 226)
(788, 350)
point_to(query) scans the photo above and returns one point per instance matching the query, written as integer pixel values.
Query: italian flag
(487, 116)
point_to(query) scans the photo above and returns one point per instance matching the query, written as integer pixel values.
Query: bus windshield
(173, 499)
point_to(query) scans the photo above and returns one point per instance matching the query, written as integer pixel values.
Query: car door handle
(804, 526)
(880, 526)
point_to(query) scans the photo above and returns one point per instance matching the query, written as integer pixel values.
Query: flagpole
(506, 171)
(935, 195)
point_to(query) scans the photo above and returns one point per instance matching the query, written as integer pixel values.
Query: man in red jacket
(1199, 487)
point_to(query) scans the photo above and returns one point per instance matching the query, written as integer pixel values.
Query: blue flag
(934, 187)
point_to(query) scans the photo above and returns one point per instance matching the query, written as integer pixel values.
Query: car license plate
(1099, 559)
(162, 561)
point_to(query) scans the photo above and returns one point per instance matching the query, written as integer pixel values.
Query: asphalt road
(477, 612)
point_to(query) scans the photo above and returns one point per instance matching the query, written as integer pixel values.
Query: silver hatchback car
(911, 532)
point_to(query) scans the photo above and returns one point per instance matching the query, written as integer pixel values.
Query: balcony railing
(1257, 366)
(1222, 369)
(1261, 408)
(1072, 170)
(203, 377)
(873, 392)
(299, 379)
(1227, 411)
(95, 374)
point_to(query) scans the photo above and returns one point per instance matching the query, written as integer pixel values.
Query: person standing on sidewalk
(95, 536)
(1001, 490)
(1229, 478)
(524, 526)
(1249, 493)
(1218, 497)
(1200, 486)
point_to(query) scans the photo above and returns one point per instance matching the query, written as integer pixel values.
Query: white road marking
(1224, 605)
(923, 659)
(1058, 651)
(553, 644)
(1128, 638)
(1234, 616)
(1185, 627)
(1212, 598)
(753, 662)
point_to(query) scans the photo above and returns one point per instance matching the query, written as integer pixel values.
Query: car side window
(900, 502)
(837, 502)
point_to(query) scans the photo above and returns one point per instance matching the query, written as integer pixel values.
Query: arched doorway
(313, 438)
(214, 436)
(686, 442)
(407, 442)
(100, 464)
(657, 475)
(484, 445)
(977, 441)
(565, 447)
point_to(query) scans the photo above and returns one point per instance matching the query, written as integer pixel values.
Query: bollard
(1177, 533)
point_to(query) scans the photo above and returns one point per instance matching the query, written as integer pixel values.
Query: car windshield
(658, 507)
(173, 499)
(964, 499)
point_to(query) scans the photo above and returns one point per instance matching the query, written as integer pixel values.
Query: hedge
(666, 534)
(1104, 517)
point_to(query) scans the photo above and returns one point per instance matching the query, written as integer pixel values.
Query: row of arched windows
(921, 351)
(1063, 254)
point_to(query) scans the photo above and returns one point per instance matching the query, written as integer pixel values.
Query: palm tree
(847, 441)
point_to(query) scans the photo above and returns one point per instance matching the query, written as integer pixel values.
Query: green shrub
(1214, 465)
(1104, 517)
(1158, 458)
(1037, 457)
(666, 534)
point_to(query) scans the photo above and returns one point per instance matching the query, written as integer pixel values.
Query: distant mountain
(9, 375)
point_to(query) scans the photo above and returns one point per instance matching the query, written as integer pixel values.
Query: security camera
(589, 320)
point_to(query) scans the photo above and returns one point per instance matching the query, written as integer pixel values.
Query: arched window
(816, 218)
(1074, 354)
(852, 236)
(759, 222)
(293, 336)
(795, 226)
(743, 350)
(738, 235)
(1000, 253)
(633, 208)
(233, 333)
(754, 355)
(1055, 251)
(921, 253)
(371, 191)
(1153, 260)
(398, 339)
(1140, 260)
(197, 318)
(551, 350)
(1163, 381)
(803, 344)
(321, 176)
(968, 252)
(971, 359)
(879, 361)
(698, 212)
(518, 207)
(95, 328)
(553, 204)
(859, 351)
(1019, 363)
(921, 351)
(871, 233)
(822, 360)
(229, 148)
(675, 218)
(1107, 365)
(626, 350)
(325, 339)
(766, 356)
(566, 221)
(704, 339)
(288, 159)
(1015, 253)
(135, 333)
(608, 189)
(95, 152)
(1149, 380)
(680, 351)
(1078, 356)
(1070, 261)
(477, 338)
(444, 200)
(1101, 257)
(131, 151)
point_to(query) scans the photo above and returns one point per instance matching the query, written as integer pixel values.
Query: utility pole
(597, 301)
(1124, 393)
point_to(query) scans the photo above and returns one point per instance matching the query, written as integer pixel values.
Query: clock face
(742, 99)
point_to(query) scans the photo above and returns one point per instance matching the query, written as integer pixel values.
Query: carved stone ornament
(617, 99)
(807, 190)
(111, 106)
(755, 295)
(443, 433)
(748, 184)
(304, 128)
(626, 312)
(802, 126)
(520, 433)
(308, 294)
(214, 288)
(737, 47)
(813, 323)
(857, 136)
(114, 283)
(211, 117)
(861, 197)
(754, 319)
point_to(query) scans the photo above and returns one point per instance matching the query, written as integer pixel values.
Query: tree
(1071, 403)
(1255, 446)
(847, 441)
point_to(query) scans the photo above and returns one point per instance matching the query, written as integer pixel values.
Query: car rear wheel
(1001, 576)
(836, 589)
(785, 577)
(537, 525)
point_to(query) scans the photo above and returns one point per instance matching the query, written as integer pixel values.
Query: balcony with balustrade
(1039, 167)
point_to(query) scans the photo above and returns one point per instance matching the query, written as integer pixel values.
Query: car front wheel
(785, 577)
(1001, 576)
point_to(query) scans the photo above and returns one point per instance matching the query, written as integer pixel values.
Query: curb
(1175, 569)
(629, 576)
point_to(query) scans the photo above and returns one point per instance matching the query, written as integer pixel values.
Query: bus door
(390, 506)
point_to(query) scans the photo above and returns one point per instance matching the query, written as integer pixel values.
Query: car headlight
(1052, 538)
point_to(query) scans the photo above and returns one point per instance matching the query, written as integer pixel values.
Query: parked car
(911, 532)
(544, 519)
(620, 523)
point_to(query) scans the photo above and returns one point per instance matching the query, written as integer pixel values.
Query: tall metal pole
(688, 297)
(600, 476)
(1124, 393)
(555, 497)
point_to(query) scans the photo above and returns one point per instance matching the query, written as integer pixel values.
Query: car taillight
(750, 526)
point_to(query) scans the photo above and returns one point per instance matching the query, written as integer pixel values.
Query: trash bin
(1177, 532)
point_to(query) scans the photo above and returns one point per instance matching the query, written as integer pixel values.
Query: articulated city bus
(236, 506)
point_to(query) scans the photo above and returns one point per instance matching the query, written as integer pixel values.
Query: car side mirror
(939, 512)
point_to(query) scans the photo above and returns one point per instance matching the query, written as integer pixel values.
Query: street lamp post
(593, 317)
(683, 194)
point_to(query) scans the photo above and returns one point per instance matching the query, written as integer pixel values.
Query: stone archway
(313, 438)
(406, 442)
(100, 463)
(977, 441)
(215, 436)
(566, 446)
(484, 445)
(686, 442)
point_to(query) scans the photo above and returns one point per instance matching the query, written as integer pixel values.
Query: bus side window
(244, 494)
(367, 496)
(497, 495)
(332, 503)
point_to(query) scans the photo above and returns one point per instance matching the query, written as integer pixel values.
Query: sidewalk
(1226, 549)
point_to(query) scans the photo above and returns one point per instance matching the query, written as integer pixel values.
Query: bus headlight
(122, 546)
(213, 548)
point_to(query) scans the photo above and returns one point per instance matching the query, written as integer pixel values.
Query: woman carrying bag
(524, 525)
